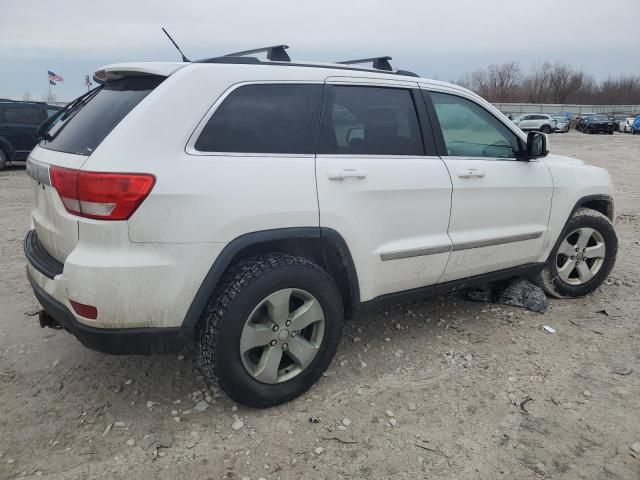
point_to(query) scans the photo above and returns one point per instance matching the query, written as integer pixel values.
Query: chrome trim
(38, 171)
(416, 252)
(496, 241)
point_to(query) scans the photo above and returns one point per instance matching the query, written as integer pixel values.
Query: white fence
(556, 108)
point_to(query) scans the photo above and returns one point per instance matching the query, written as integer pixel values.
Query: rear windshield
(82, 129)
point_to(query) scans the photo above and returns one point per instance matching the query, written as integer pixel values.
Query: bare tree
(504, 80)
(564, 81)
(497, 83)
(536, 85)
(553, 83)
(26, 96)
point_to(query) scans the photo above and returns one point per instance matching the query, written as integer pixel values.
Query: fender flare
(229, 252)
(590, 198)
(8, 149)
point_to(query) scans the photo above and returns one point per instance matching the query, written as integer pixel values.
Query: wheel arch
(323, 246)
(600, 203)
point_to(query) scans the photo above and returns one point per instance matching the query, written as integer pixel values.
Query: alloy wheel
(580, 256)
(282, 335)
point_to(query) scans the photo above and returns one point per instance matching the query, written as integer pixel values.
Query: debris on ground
(624, 371)
(237, 425)
(548, 329)
(155, 441)
(459, 359)
(518, 292)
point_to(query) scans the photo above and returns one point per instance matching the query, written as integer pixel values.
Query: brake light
(101, 195)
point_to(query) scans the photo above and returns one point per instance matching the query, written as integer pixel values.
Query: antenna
(184, 59)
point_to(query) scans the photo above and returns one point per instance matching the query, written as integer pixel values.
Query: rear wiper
(64, 113)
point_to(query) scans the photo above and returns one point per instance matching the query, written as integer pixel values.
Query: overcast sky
(437, 39)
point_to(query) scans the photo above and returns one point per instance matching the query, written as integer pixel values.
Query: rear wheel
(272, 329)
(584, 257)
(3, 159)
(546, 129)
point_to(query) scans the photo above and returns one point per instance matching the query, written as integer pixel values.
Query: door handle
(346, 173)
(471, 173)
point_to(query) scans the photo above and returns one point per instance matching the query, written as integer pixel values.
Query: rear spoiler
(121, 70)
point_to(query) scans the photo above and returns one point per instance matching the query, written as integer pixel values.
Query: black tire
(549, 280)
(3, 159)
(611, 132)
(242, 289)
(546, 129)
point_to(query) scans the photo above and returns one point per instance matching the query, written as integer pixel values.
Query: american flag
(54, 78)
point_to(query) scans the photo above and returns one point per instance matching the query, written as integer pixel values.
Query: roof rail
(275, 53)
(379, 63)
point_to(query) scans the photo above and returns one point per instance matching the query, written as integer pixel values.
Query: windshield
(87, 123)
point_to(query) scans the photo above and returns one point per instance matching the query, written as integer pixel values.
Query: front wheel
(583, 258)
(3, 159)
(546, 129)
(271, 330)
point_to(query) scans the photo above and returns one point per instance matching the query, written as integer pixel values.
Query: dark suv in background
(598, 124)
(19, 123)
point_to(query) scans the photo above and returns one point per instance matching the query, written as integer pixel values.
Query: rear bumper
(116, 341)
(123, 341)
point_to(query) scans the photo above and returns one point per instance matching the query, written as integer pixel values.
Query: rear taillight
(101, 195)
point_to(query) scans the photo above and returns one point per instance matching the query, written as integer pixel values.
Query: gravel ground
(440, 388)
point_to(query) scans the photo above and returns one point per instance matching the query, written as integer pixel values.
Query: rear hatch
(69, 143)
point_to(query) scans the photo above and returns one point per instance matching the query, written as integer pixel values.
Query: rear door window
(275, 118)
(369, 121)
(23, 115)
(82, 129)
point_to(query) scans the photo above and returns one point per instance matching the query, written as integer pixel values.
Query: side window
(279, 118)
(369, 121)
(51, 111)
(471, 131)
(23, 115)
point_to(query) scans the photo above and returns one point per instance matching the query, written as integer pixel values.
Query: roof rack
(275, 53)
(379, 63)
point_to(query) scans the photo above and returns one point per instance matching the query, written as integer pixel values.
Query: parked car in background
(617, 118)
(536, 121)
(625, 125)
(19, 122)
(562, 124)
(582, 118)
(598, 124)
(635, 126)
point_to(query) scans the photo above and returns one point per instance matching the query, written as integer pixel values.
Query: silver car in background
(562, 124)
(536, 121)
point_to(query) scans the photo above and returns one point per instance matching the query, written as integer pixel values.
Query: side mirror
(536, 145)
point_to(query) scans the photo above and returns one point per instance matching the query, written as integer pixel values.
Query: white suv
(248, 207)
(537, 121)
